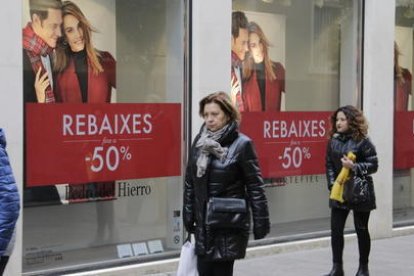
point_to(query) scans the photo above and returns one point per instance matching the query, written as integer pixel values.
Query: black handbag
(224, 212)
(357, 190)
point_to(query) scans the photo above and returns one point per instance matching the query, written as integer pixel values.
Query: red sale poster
(288, 143)
(404, 140)
(78, 143)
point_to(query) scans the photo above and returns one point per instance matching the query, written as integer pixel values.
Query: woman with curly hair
(349, 134)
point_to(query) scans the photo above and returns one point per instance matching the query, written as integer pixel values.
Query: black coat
(237, 176)
(366, 164)
(41, 194)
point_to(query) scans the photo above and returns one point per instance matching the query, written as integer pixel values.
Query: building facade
(101, 183)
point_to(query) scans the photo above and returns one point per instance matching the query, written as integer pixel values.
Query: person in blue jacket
(9, 203)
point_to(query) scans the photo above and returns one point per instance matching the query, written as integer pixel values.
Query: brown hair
(40, 7)
(358, 126)
(63, 49)
(238, 21)
(223, 100)
(249, 62)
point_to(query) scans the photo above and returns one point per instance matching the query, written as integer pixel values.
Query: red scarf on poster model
(35, 48)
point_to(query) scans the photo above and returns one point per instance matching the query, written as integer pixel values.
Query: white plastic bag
(187, 265)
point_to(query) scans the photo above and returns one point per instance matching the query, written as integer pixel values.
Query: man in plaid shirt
(39, 40)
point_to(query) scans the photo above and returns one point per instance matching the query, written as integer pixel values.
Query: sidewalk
(391, 256)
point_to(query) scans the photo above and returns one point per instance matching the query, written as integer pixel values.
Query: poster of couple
(82, 130)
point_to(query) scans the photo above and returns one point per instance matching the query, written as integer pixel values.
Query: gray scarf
(208, 145)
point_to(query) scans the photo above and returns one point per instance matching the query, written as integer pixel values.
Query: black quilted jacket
(237, 176)
(365, 165)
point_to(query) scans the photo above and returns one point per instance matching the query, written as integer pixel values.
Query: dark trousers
(3, 263)
(214, 268)
(338, 219)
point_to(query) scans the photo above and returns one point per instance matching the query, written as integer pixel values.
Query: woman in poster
(222, 166)
(402, 82)
(84, 74)
(349, 134)
(263, 79)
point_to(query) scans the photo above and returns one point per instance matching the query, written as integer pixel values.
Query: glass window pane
(300, 62)
(403, 191)
(121, 107)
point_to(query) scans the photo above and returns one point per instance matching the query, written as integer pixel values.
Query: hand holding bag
(187, 265)
(338, 187)
(223, 212)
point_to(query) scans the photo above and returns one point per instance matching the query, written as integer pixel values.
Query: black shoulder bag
(357, 190)
(224, 212)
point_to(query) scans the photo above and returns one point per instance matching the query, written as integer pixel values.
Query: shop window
(103, 153)
(312, 50)
(403, 184)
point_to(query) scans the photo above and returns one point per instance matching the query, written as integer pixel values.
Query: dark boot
(337, 270)
(363, 270)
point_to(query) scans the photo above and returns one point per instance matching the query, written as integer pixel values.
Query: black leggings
(338, 218)
(214, 268)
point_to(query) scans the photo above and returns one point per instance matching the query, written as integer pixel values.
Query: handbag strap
(188, 237)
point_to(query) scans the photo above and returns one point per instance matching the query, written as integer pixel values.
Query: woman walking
(223, 173)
